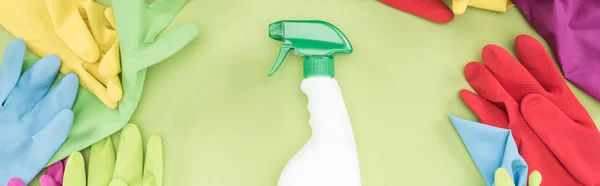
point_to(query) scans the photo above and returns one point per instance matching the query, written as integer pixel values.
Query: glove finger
(110, 65)
(75, 171)
(60, 98)
(488, 87)
(459, 6)
(568, 141)
(538, 61)
(72, 29)
(487, 112)
(102, 163)
(12, 63)
(109, 68)
(434, 10)
(34, 84)
(114, 88)
(118, 182)
(110, 17)
(15, 182)
(502, 178)
(167, 10)
(535, 178)
(56, 172)
(515, 79)
(46, 143)
(104, 34)
(47, 180)
(164, 47)
(130, 18)
(129, 156)
(95, 87)
(153, 167)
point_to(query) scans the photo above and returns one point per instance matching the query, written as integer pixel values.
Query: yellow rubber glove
(459, 6)
(502, 178)
(81, 32)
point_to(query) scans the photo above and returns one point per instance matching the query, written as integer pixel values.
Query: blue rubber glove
(33, 122)
(490, 148)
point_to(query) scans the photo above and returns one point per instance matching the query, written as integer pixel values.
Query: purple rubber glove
(572, 29)
(54, 174)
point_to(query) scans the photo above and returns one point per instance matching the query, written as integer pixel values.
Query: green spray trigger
(317, 40)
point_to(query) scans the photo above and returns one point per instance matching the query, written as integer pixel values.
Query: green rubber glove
(127, 169)
(138, 26)
(502, 178)
(101, 166)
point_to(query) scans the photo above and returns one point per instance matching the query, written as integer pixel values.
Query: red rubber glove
(515, 95)
(434, 10)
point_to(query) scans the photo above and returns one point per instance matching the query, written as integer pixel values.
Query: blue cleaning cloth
(491, 148)
(33, 122)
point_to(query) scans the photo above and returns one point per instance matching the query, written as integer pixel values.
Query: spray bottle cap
(317, 40)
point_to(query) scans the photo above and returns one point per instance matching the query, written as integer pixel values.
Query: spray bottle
(329, 158)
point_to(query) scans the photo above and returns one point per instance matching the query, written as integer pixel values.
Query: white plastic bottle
(330, 157)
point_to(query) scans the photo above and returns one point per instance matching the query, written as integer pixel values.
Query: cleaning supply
(330, 156)
(130, 168)
(509, 91)
(459, 6)
(502, 178)
(81, 32)
(570, 29)
(54, 174)
(574, 145)
(433, 10)
(35, 121)
(127, 169)
(138, 24)
(101, 167)
(491, 147)
(104, 169)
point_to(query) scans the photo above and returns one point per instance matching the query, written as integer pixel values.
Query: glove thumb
(433, 10)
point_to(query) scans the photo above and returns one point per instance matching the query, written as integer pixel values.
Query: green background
(225, 123)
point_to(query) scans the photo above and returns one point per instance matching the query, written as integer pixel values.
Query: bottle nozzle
(317, 40)
(276, 31)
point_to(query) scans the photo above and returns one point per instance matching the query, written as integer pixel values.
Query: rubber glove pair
(139, 25)
(459, 6)
(433, 10)
(35, 122)
(126, 170)
(552, 130)
(81, 32)
(503, 178)
(571, 29)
